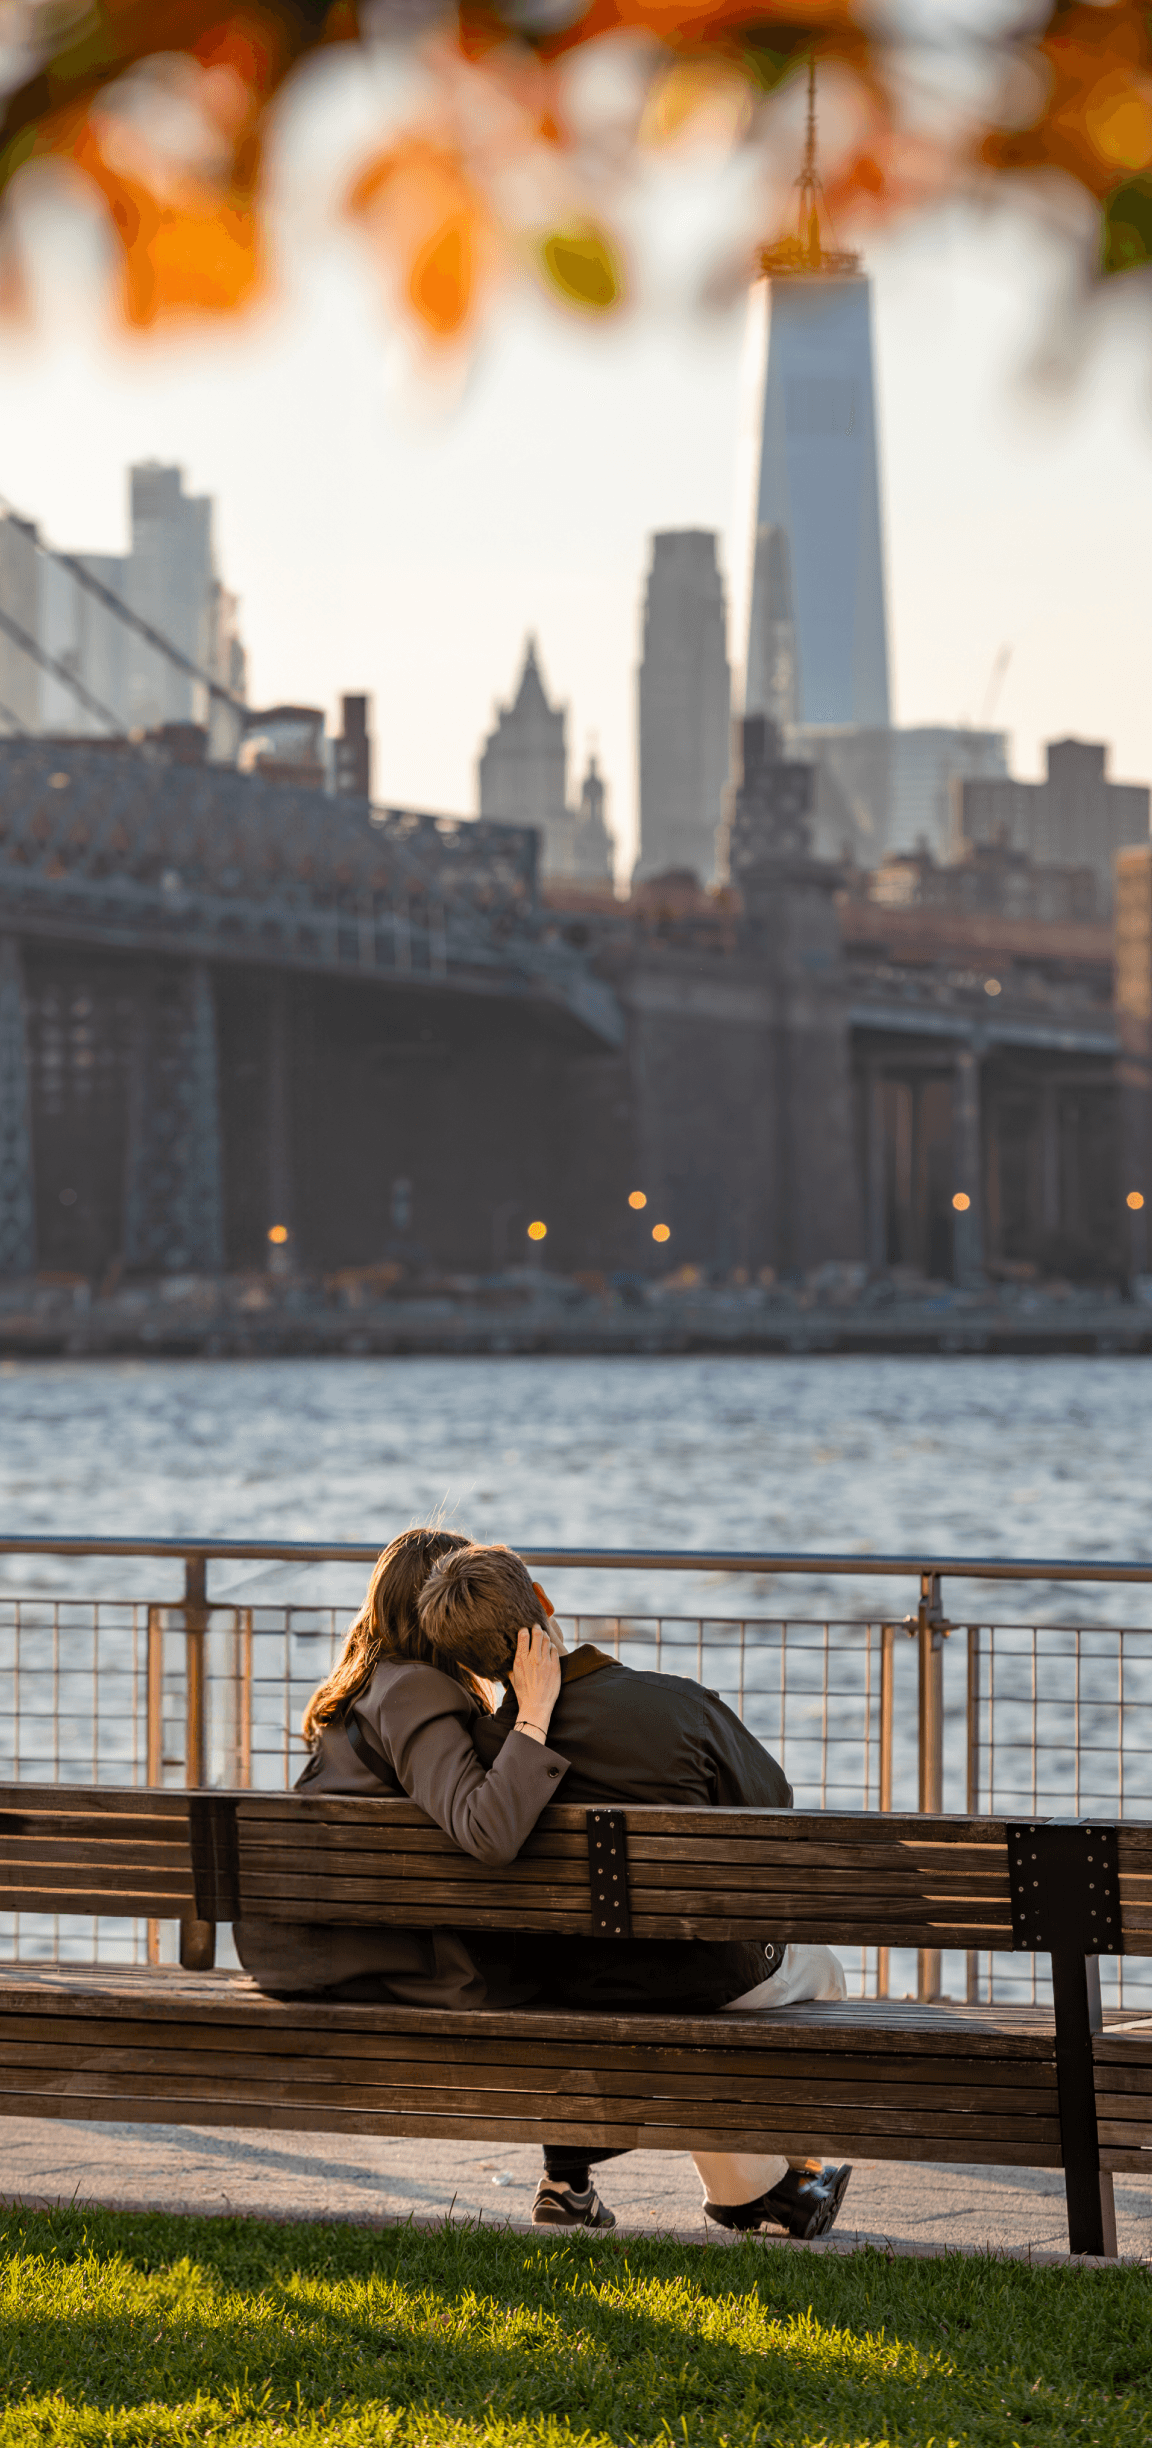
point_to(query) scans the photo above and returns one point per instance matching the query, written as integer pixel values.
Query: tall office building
(817, 647)
(169, 578)
(684, 699)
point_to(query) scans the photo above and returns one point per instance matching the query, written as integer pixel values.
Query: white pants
(732, 2177)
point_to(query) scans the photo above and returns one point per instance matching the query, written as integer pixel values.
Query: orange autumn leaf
(193, 250)
(431, 226)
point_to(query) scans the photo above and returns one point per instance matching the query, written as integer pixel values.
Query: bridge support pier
(968, 1160)
(281, 1218)
(17, 1184)
(173, 1208)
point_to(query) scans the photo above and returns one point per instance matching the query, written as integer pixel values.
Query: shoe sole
(586, 2226)
(829, 2210)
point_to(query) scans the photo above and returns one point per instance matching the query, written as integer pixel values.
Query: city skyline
(409, 561)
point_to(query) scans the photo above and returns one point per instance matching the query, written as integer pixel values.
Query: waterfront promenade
(246, 2172)
(364, 1313)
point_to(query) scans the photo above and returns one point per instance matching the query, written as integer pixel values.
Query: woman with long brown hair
(390, 1718)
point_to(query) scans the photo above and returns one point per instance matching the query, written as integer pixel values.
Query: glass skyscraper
(817, 636)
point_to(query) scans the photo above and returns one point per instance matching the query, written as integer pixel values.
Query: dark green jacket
(635, 1737)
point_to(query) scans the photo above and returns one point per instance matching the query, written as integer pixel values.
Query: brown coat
(422, 1722)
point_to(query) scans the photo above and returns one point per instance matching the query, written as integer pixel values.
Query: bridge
(169, 929)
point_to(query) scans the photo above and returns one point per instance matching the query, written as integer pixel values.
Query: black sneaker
(803, 2205)
(556, 2205)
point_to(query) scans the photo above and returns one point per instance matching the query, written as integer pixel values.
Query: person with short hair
(631, 1736)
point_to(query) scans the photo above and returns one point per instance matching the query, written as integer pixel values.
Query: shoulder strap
(367, 1753)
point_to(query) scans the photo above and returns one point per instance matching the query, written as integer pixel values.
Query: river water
(1043, 1457)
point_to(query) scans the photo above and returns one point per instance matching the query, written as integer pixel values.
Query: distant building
(1076, 817)
(352, 751)
(684, 701)
(286, 743)
(523, 780)
(592, 843)
(523, 768)
(169, 579)
(817, 648)
(883, 790)
(986, 877)
(20, 601)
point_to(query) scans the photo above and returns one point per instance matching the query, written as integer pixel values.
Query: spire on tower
(805, 254)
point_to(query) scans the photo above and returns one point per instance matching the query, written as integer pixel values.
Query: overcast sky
(382, 538)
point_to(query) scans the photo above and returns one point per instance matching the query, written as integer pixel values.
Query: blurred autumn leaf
(1093, 119)
(582, 266)
(164, 107)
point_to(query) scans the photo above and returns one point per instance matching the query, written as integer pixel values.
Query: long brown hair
(389, 1626)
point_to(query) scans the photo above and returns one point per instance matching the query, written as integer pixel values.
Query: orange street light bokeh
(537, 1231)
(278, 1233)
(637, 1198)
(661, 1232)
(961, 1202)
(1135, 1200)
(992, 986)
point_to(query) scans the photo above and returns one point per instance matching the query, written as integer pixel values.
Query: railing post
(155, 1755)
(197, 1938)
(931, 1632)
(887, 1719)
(972, 1786)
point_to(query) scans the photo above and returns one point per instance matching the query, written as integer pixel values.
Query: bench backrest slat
(845, 1877)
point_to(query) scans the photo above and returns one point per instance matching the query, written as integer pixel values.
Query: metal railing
(1040, 1719)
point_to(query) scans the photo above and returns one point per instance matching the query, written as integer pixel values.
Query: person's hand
(535, 1679)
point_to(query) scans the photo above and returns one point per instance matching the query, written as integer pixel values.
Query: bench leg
(1076, 1997)
(198, 1945)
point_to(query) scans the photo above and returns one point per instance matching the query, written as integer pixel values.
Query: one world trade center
(817, 650)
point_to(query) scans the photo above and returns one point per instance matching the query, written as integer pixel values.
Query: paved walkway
(224, 2169)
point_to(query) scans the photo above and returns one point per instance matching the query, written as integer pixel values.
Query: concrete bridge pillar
(281, 1223)
(1133, 987)
(173, 1209)
(17, 1186)
(968, 1157)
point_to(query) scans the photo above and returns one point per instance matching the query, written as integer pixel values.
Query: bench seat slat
(845, 2142)
(711, 2123)
(188, 2068)
(163, 2041)
(223, 1998)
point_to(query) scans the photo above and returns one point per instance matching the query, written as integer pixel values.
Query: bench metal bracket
(215, 1856)
(608, 1873)
(1064, 1878)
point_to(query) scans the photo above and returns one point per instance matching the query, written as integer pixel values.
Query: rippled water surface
(975, 1456)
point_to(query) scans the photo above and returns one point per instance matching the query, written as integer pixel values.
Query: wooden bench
(1009, 2086)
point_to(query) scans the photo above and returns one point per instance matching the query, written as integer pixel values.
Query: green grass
(136, 2331)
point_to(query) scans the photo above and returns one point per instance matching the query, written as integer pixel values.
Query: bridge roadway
(126, 849)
